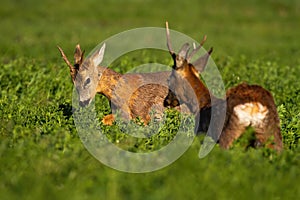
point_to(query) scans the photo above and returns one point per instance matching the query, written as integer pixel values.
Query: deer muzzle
(84, 103)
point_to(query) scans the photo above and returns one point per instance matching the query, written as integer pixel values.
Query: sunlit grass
(41, 154)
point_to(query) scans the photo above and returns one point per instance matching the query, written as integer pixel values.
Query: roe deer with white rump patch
(247, 105)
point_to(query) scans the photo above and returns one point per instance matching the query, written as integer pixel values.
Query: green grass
(41, 154)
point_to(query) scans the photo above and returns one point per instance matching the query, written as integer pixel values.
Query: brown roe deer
(135, 95)
(184, 70)
(247, 105)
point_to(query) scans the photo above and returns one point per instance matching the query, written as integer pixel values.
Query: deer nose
(84, 103)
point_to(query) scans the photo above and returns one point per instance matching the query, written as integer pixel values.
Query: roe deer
(135, 95)
(184, 82)
(247, 105)
(254, 106)
(184, 70)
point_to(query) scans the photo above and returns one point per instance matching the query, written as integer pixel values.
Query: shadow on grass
(66, 108)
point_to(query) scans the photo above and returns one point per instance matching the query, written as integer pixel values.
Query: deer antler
(78, 56)
(196, 49)
(168, 39)
(71, 67)
(201, 62)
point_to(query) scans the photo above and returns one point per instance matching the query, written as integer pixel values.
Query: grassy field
(41, 154)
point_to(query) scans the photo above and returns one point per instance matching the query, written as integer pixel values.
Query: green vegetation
(41, 154)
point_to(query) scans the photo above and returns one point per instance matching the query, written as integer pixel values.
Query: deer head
(85, 73)
(184, 70)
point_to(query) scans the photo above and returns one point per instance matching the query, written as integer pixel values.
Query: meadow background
(41, 155)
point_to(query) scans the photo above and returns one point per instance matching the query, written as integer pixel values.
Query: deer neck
(200, 89)
(107, 81)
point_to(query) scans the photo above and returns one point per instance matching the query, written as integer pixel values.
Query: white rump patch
(252, 113)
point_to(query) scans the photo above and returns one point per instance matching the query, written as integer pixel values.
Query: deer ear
(98, 56)
(201, 62)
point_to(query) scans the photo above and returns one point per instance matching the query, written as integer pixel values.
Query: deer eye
(87, 81)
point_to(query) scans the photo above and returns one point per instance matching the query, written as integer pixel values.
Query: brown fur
(184, 82)
(267, 131)
(190, 73)
(186, 90)
(138, 94)
(247, 105)
(134, 94)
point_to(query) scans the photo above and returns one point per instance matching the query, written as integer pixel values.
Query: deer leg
(231, 132)
(278, 145)
(108, 119)
(270, 138)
